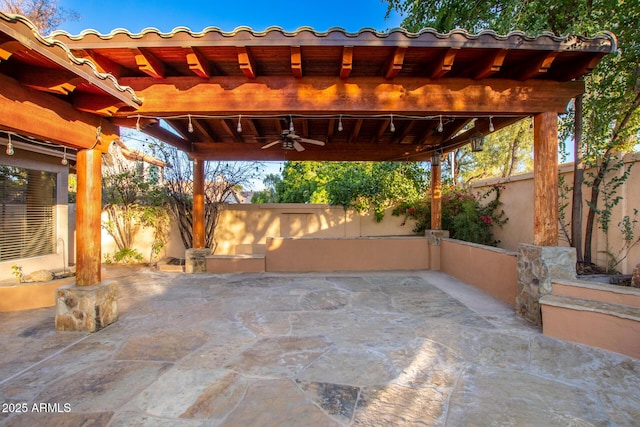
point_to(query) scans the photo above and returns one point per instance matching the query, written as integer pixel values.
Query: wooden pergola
(224, 95)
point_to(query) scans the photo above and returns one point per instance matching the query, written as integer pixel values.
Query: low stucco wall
(27, 296)
(490, 269)
(287, 254)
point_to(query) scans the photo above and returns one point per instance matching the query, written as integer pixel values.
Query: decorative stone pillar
(537, 267)
(90, 304)
(195, 260)
(434, 238)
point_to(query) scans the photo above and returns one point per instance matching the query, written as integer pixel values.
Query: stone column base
(537, 267)
(195, 261)
(434, 237)
(86, 308)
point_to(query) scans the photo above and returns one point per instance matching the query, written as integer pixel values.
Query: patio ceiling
(366, 95)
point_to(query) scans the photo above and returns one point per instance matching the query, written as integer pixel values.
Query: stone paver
(372, 349)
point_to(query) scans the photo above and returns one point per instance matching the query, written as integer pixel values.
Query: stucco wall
(517, 198)
(491, 269)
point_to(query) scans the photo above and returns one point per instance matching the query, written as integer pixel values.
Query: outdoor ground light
(477, 142)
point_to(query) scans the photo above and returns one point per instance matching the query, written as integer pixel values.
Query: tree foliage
(363, 186)
(611, 116)
(46, 15)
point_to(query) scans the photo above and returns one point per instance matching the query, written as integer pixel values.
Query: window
(27, 213)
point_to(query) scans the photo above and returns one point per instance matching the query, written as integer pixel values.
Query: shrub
(467, 216)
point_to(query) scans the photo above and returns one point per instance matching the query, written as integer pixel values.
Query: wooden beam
(545, 179)
(9, 48)
(445, 63)
(97, 104)
(231, 130)
(245, 61)
(493, 64)
(198, 204)
(155, 131)
(202, 129)
(540, 67)
(102, 63)
(60, 82)
(382, 128)
(323, 95)
(347, 62)
(149, 64)
(355, 133)
(44, 116)
(296, 62)
(436, 198)
(88, 217)
(198, 63)
(335, 151)
(394, 63)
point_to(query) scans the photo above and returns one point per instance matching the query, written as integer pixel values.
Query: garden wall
(517, 198)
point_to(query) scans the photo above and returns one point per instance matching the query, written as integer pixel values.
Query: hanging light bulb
(291, 128)
(340, 124)
(440, 127)
(392, 127)
(190, 127)
(65, 162)
(491, 128)
(9, 146)
(239, 128)
(138, 123)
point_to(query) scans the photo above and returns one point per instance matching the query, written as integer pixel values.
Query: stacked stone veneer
(537, 266)
(86, 308)
(195, 260)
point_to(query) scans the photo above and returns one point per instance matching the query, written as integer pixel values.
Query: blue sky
(107, 15)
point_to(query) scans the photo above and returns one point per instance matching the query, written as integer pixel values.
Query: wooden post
(545, 179)
(436, 198)
(198, 204)
(89, 210)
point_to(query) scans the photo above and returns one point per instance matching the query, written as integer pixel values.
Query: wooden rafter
(60, 82)
(246, 63)
(445, 63)
(540, 67)
(296, 62)
(347, 62)
(102, 63)
(198, 63)
(149, 64)
(355, 133)
(394, 63)
(493, 64)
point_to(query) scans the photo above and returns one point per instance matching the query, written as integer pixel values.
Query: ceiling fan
(289, 140)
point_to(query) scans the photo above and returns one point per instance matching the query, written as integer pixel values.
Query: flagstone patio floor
(341, 349)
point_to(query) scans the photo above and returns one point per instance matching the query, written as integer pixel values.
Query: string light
(440, 127)
(10, 147)
(239, 128)
(65, 162)
(392, 127)
(190, 127)
(491, 128)
(340, 124)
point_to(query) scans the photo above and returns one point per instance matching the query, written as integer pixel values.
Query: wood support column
(88, 222)
(198, 204)
(545, 179)
(436, 198)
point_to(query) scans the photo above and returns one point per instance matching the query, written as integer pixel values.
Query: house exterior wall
(60, 259)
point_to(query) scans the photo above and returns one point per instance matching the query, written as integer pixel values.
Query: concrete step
(237, 263)
(613, 327)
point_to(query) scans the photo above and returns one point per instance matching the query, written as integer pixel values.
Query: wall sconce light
(477, 142)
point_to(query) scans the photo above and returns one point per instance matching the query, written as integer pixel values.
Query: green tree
(362, 186)
(610, 117)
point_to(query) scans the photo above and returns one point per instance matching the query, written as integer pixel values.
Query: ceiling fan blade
(271, 144)
(311, 141)
(297, 146)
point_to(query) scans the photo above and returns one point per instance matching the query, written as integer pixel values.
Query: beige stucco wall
(244, 228)
(517, 198)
